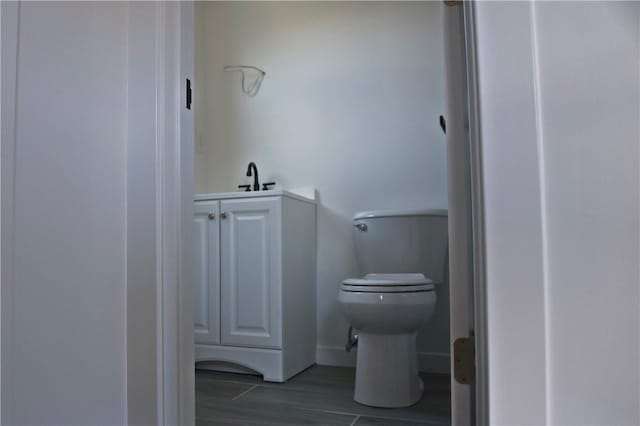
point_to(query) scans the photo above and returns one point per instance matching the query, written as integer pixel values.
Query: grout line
(245, 392)
(343, 413)
(354, 421)
(236, 382)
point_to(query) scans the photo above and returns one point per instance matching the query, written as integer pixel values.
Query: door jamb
(176, 390)
(9, 16)
(477, 219)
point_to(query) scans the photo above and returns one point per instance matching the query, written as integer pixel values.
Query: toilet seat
(388, 283)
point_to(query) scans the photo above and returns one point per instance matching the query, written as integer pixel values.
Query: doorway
(239, 33)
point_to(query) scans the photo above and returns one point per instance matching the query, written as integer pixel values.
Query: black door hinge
(188, 94)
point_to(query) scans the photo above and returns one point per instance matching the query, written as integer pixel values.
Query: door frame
(176, 351)
(481, 403)
(9, 12)
(466, 226)
(174, 210)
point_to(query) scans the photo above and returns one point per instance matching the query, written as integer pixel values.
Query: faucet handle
(247, 188)
(265, 185)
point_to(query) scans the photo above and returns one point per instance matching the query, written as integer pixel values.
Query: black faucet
(256, 184)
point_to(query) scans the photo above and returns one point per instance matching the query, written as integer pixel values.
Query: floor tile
(342, 402)
(377, 421)
(317, 396)
(243, 412)
(218, 389)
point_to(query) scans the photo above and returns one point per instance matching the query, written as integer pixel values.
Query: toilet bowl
(403, 254)
(387, 310)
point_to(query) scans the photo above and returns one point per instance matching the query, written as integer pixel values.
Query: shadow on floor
(318, 396)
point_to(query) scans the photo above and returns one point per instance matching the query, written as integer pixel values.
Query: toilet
(403, 254)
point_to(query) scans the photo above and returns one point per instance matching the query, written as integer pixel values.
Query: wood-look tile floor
(318, 396)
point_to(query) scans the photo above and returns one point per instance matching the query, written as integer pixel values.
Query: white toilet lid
(388, 283)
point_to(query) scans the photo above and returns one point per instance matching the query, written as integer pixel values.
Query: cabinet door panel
(251, 273)
(207, 272)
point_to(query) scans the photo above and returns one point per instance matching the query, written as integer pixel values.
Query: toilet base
(387, 370)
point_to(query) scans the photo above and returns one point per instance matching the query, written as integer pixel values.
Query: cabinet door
(207, 272)
(251, 273)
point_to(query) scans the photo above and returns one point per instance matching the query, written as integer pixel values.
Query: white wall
(79, 213)
(142, 264)
(560, 103)
(349, 105)
(67, 337)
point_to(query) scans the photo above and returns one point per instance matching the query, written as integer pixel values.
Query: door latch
(189, 95)
(464, 360)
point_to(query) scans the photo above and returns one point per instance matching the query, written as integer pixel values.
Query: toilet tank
(402, 241)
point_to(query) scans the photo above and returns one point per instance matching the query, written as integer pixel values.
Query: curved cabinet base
(268, 362)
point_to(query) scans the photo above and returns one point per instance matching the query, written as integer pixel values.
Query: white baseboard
(336, 356)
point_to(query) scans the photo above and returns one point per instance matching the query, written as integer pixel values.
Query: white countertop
(307, 195)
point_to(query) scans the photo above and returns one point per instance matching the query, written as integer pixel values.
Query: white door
(251, 273)
(206, 232)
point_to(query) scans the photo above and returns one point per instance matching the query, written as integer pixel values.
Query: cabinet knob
(211, 216)
(223, 215)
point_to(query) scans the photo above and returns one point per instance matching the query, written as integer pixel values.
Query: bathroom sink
(303, 194)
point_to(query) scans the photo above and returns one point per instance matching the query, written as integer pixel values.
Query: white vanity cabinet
(255, 293)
